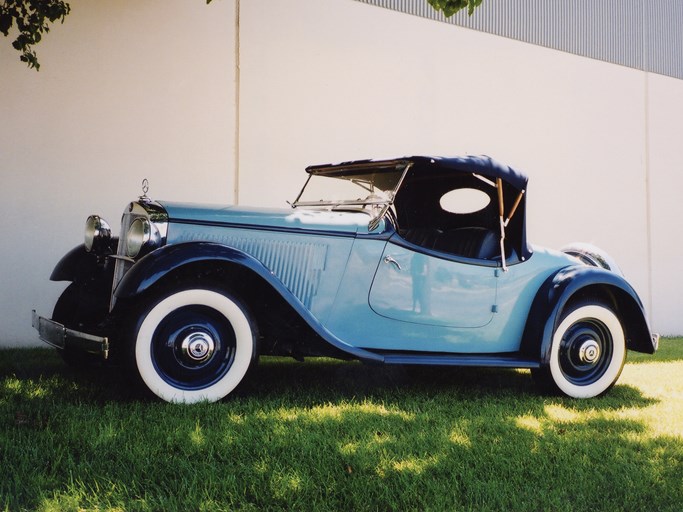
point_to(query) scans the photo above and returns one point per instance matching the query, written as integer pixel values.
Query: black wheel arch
(84, 304)
(267, 297)
(81, 265)
(579, 283)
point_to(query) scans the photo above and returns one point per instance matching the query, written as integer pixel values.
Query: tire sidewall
(605, 316)
(245, 341)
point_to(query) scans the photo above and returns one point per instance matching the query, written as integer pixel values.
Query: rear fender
(574, 283)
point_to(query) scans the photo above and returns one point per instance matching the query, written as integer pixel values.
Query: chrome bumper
(55, 334)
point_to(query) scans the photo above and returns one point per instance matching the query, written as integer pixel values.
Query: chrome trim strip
(278, 229)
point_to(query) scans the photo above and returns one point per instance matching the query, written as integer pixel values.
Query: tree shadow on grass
(329, 435)
(468, 438)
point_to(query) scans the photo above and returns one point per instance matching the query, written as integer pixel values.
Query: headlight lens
(97, 234)
(139, 235)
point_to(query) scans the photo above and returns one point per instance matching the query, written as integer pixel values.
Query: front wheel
(587, 353)
(194, 345)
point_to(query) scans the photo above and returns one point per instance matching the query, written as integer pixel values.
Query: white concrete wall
(128, 91)
(344, 80)
(665, 119)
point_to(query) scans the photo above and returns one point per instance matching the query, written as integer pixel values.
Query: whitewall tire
(194, 345)
(588, 351)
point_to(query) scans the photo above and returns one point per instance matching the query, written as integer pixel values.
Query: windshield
(344, 187)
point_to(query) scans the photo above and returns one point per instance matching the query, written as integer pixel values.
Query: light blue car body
(342, 274)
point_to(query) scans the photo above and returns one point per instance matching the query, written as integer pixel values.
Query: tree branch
(32, 18)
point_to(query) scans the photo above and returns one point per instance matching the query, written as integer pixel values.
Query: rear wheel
(587, 353)
(194, 344)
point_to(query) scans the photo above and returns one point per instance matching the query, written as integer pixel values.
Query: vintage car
(412, 261)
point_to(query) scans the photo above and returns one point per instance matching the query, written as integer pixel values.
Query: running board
(481, 360)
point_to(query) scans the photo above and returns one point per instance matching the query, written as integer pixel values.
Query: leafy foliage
(450, 7)
(32, 18)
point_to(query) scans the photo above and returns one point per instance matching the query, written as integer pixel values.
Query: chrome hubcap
(198, 347)
(589, 352)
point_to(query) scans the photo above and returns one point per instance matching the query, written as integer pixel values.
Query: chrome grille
(143, 208)
(123, 263)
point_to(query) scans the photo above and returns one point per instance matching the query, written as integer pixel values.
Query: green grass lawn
(328, 435)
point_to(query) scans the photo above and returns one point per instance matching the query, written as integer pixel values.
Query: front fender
(584, 281)
(74, 265)
(78, 265)
(155, 266)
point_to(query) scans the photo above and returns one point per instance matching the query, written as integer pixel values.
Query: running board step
(481, 360)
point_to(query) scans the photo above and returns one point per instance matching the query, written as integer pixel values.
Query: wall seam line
(648, 197)
(236, 163)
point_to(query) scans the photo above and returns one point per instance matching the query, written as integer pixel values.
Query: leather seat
(476, 243)
(424, 237)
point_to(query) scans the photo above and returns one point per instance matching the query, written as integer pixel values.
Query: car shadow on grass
(324, 381)
(300, 383)
(41, 373)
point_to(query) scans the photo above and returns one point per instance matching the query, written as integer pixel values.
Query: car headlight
(139, 235)
(97, 234)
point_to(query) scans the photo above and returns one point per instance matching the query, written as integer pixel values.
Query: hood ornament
(145, 189)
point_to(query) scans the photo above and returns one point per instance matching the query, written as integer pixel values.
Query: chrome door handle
(389, 259)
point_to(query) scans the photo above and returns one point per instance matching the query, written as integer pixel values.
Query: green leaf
(31, 59)
(450, 7)
(5, 23)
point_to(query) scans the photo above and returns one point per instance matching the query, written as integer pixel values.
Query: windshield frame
(350, 172)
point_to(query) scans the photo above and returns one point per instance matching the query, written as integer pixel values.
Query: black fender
(85, 302)
(79, 265)
(584, 281)
(153, 267)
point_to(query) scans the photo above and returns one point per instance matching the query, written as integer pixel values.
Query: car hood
(289, 218)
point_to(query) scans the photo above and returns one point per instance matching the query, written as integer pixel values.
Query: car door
(430, 288)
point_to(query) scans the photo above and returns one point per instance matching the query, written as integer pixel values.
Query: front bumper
(55, 334)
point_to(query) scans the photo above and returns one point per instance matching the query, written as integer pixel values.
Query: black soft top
(479, 164)
(429, 178)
